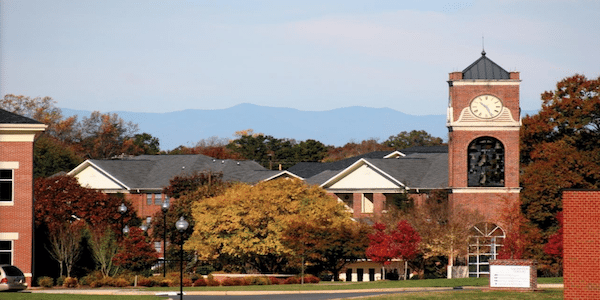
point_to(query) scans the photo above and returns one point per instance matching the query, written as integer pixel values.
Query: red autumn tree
(61, 199)
(137, 253)
(559, 148)
(554, 246)
(521, 235)
(401, 242)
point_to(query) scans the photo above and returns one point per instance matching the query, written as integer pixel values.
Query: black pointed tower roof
(485, 68)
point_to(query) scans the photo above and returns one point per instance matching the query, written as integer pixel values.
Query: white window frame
(158, 199)
(9, 166)
(367, 205)
(11, 250)
(489, 237)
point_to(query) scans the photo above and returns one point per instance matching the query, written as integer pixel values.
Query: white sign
(510, 276)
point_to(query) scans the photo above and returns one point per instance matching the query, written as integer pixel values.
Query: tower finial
(482, 45)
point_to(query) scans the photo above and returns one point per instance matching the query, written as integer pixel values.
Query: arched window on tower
(486, 163)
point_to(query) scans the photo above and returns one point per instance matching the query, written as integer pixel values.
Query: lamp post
(165, 209)
(122, 211)
(182, 226)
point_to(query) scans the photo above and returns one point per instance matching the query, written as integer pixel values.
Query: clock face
(486, 106)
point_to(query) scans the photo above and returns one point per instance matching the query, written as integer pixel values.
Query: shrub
(45, 281)
(60, 280)
(118, 282)
(200, 282)
(70, 282)
(291, 280)
(98, 283)
(166, 282)
(274, 280)
(258, 280)
(211, 281)
(311, 279)
(147, 282)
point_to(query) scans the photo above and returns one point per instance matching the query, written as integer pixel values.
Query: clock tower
(483, 121)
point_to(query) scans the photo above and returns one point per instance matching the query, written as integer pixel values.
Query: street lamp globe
(181, 224)
(126, 229)
(122, 208)
(165, 207)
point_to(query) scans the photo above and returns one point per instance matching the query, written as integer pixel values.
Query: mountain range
(334, 127)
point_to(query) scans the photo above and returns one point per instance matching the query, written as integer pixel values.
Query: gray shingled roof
(155, 171)
(485, 68)
(421, 168)
(7, 117)
(309, 169)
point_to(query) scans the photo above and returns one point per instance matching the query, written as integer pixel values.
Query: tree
(354, 149)
(65, 245)
(309, 151)
(50, 156)
(62, 199)
(521, 235)
(273, 152)
(106, 136)
(554, 246)
(104, 248)
(327, 243)
(247, 222)
(186, 190)
(559, 148)
(401, 242)
(137, 253)
(414, 138)
(147, 143)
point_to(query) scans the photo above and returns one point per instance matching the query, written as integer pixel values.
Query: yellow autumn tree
(247, 223)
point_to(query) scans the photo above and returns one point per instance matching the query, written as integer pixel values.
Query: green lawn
(475, 295)
(463, 294)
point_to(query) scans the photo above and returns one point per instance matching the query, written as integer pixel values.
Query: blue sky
(155, 56)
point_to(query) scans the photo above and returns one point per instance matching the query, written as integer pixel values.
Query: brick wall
(458, 153)
(19, 217)
(489, 205)
(462, 95)
(581, 242)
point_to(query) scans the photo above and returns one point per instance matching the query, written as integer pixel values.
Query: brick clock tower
(483, 151)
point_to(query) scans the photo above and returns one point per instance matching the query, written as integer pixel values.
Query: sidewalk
(134, 291)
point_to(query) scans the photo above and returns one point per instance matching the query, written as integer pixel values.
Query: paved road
(301, 296)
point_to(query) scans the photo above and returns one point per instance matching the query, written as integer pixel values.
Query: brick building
(17, 135)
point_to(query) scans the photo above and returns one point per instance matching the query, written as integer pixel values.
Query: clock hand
(486, 108)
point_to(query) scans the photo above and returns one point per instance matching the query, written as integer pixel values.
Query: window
(367, 203)
(158, 199)
(6, 185)
(167, 199)
(5, 252)
(485, 241)
(148, 199)
(486, 163)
